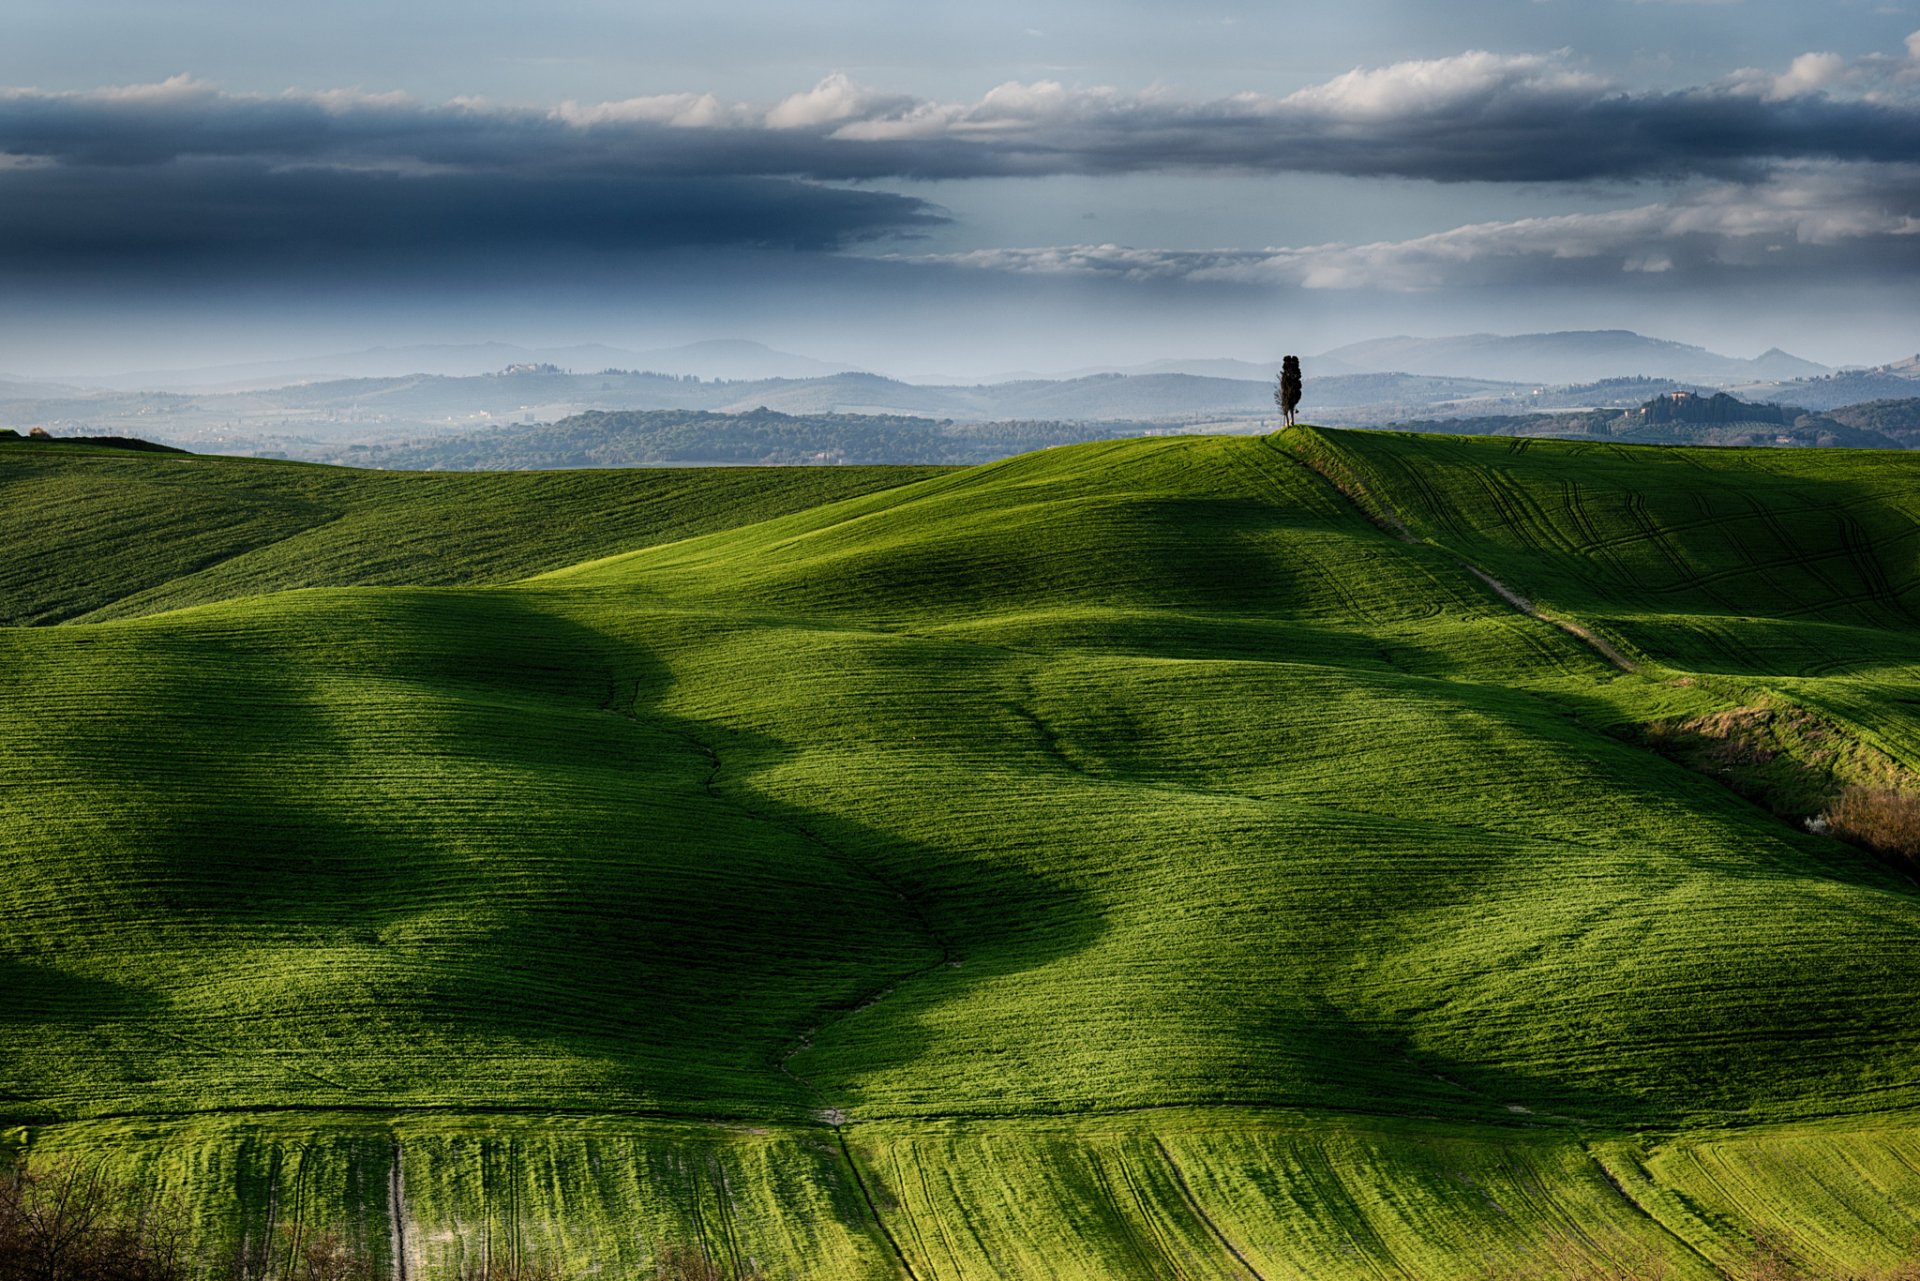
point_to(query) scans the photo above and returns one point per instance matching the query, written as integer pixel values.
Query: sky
(954, 189)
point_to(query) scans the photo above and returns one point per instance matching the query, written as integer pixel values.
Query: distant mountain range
(1847, 387)
(1570, 357)
(1166, 396)
(1541, 359)
(33, 388)
(366, 410)
(260, 408)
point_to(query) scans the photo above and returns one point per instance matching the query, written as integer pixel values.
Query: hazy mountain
(733, 358)
(1834, 390)
(1166, 397)
(445, 360)
(1214, 367)
(1095, 397)
(368, 410)
(12, 388)
(1570, 357)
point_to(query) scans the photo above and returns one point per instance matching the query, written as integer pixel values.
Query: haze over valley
(351, 411)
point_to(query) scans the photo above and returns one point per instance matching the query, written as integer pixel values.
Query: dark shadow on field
(42, 994)
(509, 880)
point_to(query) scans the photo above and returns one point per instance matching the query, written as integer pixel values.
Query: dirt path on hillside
(1527, 607)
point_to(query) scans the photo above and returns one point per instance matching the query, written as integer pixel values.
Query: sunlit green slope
(1132, 850)
(1803, 570)
(93, 533)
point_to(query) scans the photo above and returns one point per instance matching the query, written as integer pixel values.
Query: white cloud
(835, 99)
(1804, 209)
(1809, 72)
(1437, 84)
(680, 110)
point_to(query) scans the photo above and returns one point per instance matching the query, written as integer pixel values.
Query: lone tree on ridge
(1287, 393)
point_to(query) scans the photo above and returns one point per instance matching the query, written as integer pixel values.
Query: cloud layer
(1825, 219)
(1472, 117)
(179, 170)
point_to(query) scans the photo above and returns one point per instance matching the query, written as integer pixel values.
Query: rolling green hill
(1201, 857)
(92, 533)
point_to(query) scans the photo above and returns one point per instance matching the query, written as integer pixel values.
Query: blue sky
(960, 188)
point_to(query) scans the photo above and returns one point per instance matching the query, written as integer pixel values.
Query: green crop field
(1331, 855)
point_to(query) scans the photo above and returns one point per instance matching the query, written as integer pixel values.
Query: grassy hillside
(93, 533)
(1755, 569)
(1136, 859)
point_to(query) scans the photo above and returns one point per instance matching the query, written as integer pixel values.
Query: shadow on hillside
(41, 994)
(444, 848)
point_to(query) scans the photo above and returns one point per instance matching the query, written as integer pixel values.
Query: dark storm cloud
(55, 217)
(181, 171)
(1473, 117)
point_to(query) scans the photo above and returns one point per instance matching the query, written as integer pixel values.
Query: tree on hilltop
(1286, 393)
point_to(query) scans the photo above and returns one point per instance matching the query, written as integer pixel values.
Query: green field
(1152, 858)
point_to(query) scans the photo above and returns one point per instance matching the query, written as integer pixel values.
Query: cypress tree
(1287, 394)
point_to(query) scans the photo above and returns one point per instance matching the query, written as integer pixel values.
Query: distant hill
(1200, 367)
(735, 358)
(26, 388)
(674, 437)
(1691, 418)
(1100, 396)
(1568, 357)
(10, 437)
(1897, 419)
(312, 419)
(1831, 391)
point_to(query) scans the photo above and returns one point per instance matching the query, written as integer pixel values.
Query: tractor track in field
(397, 1214)
(1199, 1211)
(1640, 1209)
(873, 1208)
(1378, 513)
